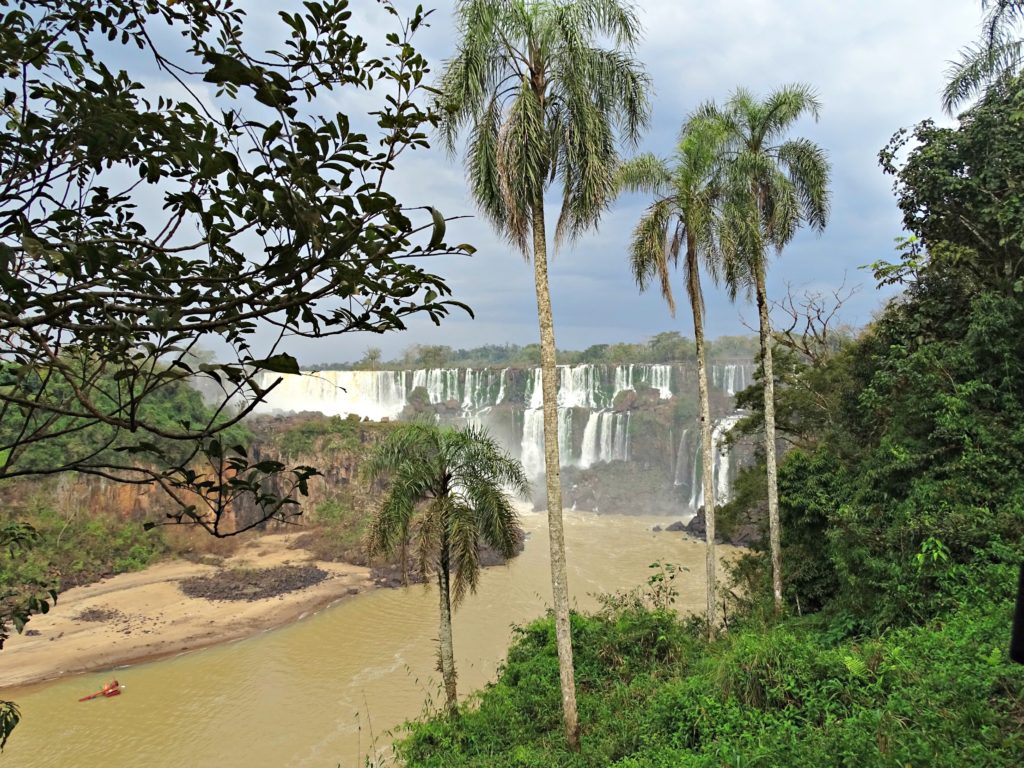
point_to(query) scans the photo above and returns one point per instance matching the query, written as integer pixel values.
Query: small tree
(447, 498)
(371, 359)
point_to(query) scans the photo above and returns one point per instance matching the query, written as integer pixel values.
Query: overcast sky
(878, 65)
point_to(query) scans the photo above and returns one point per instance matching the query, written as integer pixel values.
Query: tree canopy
(961, 186)
(164, 184)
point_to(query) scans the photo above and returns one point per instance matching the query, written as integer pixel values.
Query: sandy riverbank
(145, 615)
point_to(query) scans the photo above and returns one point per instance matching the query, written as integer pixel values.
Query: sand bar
(148, 616)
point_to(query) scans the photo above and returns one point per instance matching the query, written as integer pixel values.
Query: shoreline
(133, 618)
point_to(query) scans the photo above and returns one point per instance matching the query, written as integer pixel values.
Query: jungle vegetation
(901, 503)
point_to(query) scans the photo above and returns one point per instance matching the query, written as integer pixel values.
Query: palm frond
(807, 167)
(649, 252)
(464, 549)
(783, 107)
(979, 66)
(543, 102)
(643, 173)
(1002, 14)
(521, 165)
(448, 492)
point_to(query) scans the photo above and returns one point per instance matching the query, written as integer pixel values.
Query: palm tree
(774, 185)
(999, 53)
(447, 497)
(540, 102)
(686, 214)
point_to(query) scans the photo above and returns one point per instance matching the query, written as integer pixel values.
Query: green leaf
(281, 363)
(439, 229)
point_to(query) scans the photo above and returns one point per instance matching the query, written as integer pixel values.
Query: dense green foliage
(902, 503)
(322, 434)
(79, 549)
(654, 694)
(74, 439)
(911, 470)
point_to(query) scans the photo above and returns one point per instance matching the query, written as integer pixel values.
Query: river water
(326, 690)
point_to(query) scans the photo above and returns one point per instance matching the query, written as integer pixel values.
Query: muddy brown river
(328, 690)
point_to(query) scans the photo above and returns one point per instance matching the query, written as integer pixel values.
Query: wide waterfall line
(587, 394)
(384, 394)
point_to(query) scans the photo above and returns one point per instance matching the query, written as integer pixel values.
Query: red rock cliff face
(335, 447)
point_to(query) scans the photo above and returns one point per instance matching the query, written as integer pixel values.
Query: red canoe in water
(113, 688)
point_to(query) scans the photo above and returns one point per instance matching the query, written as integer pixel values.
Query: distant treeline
(668, 347)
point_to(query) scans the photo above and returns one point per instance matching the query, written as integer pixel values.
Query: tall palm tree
(774, 186)
(447, 497)
(999, 52)
(540, 101)
(685, 217)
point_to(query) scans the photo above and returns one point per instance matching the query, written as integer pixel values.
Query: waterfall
(723, 465)
(685, 455)
(660, 378)
(469, 400)
(585, 399)
(442, 384)
(623, 378)
(531, 448)
(655, 376)
(732, 377)
(501, 387)
(373, 394)
(605, 438)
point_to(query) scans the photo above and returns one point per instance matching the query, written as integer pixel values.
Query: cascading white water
(623, 378)
(685, 457)
(373, 394)
(501, 387)
(659, 377)
(531, 451)
(576, 383)
(605, 438)
(579, 386)
(723, 465)
(606, 435)
(655, 376)
(732, 377)
(469, 400)
(442, 384)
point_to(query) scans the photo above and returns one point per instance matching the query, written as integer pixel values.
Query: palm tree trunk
(447, 648)
(549, 387)
(768, 380)
(707, 447)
